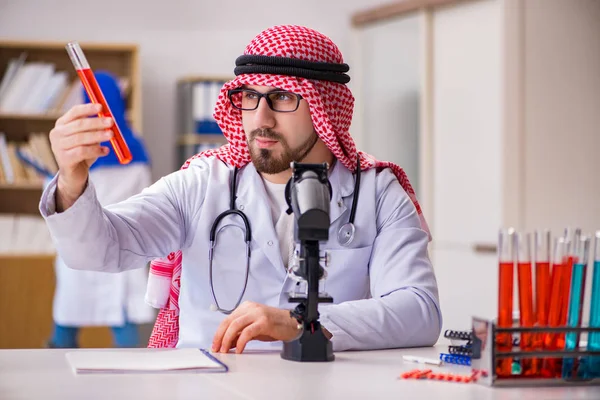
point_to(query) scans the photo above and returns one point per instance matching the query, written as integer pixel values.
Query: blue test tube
(592, 368)
(580, 254)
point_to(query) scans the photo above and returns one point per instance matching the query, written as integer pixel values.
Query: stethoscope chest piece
(348, 230)
(346, 234)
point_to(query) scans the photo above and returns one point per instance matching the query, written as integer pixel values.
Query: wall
(467, 160)
(177, 38)
(389, 106)
(562, 104)
(562, 124)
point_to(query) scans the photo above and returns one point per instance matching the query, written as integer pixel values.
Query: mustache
(266, 134)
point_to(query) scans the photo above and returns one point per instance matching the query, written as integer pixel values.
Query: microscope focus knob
(326, 259)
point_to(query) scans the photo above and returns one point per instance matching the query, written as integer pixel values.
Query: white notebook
(144, 361)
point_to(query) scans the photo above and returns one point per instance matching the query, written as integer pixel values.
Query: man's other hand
(253, 321)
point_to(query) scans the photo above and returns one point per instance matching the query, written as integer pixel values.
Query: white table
(45, 374)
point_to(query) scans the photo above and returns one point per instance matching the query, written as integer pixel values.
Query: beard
(267, 161)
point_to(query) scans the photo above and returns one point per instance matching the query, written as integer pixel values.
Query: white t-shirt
(284, 223)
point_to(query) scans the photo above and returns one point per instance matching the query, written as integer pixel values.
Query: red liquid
(542, 299)
(530, 365)
(95, 94)
(505, 310)
(560, 273)
(564, 305)
(542, 292)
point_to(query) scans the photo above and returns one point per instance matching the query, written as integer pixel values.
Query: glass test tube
(551, 366)
(529, 366)
(506, 259)
(542, 249)
(580, 253)
(592, 369)
(86, 75)
(571, 237)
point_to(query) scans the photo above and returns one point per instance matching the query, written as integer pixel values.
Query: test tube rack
(485, 355)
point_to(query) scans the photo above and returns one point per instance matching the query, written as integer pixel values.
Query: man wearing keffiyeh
(288, 102)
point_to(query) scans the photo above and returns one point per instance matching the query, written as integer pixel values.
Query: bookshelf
(27, 121)
(196, 128)
(18, 122)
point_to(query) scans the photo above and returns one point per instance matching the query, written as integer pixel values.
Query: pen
(422, 360)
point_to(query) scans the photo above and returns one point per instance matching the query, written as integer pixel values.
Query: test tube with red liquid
(527, 317)
(552, 366)
(86, 75)
(542, 247)
(506, 260)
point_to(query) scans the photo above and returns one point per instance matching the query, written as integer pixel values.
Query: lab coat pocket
(348, 273)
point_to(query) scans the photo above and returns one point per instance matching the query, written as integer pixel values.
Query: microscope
(308, 194)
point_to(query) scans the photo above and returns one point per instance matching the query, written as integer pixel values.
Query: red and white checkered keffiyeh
(331, 106)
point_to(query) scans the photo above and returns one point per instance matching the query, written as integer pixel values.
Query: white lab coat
(88, 298)
(383, 286)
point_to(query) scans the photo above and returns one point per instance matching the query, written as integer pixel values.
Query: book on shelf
(197, 128)
(196, 103)
(35, 87)
(27, 162)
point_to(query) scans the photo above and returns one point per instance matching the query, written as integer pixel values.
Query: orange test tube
(552, 366)
(93, 91)
(527, 318)
(542, 248)
(506, 259)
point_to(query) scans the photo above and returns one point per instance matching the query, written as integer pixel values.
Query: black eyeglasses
(278, 100)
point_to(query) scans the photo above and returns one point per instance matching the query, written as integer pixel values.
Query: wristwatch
(298, 313)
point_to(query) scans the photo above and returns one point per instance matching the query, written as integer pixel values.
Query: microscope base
(311, 346)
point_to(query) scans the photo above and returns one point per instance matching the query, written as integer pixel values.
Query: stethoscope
(213, 242)
(345, 235)
(347, 231)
